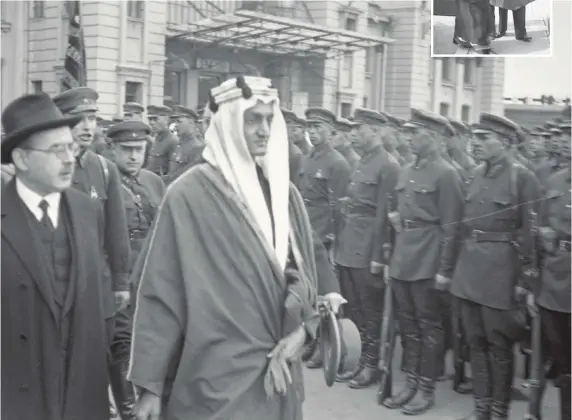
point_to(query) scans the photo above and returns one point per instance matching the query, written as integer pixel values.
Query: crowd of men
(475, 25)
(465, 223)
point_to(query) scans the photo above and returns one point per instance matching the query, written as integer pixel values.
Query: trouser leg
(501, 343)
(474, 328)
(446, 339)
(503, 20)
(123, 392)
(372, 304)
(519, 20)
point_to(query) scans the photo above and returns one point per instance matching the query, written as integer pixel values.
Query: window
(346, 110)
(447, 67)
(37, 86)
(466, 113)
(133, 92)
(468, 74)
(174, 86)
(444, 109)
(38, 9)
(135, 9)
(351, 24)
(347, 73)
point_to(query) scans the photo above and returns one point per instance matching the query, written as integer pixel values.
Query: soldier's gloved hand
(531, 305)
(332, 301)
(442, 283)
(122, 300)
(376, 268)
(395, 219)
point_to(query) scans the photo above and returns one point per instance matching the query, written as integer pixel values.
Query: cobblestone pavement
(343, 403)
(444, 27)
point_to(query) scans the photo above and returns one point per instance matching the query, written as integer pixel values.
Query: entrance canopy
(274, 35)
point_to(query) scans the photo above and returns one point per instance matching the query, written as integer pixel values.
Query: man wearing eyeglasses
(99, 179)
(53, 335)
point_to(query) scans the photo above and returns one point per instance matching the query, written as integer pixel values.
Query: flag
(75, 72)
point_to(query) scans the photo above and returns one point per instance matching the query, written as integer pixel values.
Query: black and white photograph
(485, 27)
(285, 210)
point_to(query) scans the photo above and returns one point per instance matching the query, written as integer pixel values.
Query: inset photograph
(506, 28)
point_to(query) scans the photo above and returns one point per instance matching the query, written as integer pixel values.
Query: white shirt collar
(32, 200)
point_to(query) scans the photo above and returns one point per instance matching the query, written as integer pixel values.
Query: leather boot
(465, 387)
(499, 410)
(348, 376)
(123, 392)
(423, 400)
(405, 395)
(316, 361)
(482, 410)
(565, 398)
(365, 378)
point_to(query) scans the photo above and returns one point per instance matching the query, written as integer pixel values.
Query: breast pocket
(504, 207)
(426, 196)
(132, 214)
(366, 187)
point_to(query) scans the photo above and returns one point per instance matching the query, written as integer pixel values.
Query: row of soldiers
(469, 213)
(441, 193)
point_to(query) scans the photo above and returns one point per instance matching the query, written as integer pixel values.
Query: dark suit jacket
(32, 383)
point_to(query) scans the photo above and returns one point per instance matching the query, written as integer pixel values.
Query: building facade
(336, 54)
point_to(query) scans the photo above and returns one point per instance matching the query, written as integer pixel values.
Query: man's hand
(395, 219)
(375, 268)
(331, 301)
(531, 305)
(122, 300)
(148, 406)
(442, 283)
(519, 293)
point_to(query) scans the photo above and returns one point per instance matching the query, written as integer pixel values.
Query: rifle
(387, 335)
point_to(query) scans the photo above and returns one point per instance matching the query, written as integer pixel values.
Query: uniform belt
(481, 236)
(415, 224)
(564, 245)
(362, 209)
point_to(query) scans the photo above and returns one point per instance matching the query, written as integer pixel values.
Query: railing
(180, 12)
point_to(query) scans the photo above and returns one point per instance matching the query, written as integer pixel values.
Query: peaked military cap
(183, 111)
(73, 101)
(316, 115)
(158, 110)
(289, 116)
(555, 131)
(133, 107)
(460, 126)
(344, 125)
(105, 123)
(431, 121)
(369, 116)
(393, 120)
(565, 127)
(129, 131)
(117, 119)
(540, 132)
(499, 125)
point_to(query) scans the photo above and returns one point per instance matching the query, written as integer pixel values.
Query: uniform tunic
(161, 151)
(89, 178)
(296, 157)
(487, 272)
(430, 198)
(554, 291)
(350, 155)
(324, 181)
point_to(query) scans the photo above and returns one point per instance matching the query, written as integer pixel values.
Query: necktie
(45, 220)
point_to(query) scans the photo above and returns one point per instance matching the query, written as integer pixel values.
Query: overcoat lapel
(76, 285)
(17, 231)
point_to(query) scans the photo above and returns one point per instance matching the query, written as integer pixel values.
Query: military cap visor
(430, 121)
(369, 117)
(320, 115)
(77, 100)
(133, 108)
(128, 131)
(499, 125)
(539, 133)
(184, 112)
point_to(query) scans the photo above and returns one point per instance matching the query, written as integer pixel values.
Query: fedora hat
(27, 115)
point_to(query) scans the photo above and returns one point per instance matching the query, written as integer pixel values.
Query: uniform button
(24, 387)
(485, 188)
(23, 286)
(482, 201)
(23, 337)
(412, 182)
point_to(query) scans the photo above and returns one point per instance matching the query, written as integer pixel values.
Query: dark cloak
(210, 305)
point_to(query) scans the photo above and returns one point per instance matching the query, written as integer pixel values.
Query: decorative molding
(349, 10)
(133, 70)
(346, 95)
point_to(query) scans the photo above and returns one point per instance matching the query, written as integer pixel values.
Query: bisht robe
(210, 305)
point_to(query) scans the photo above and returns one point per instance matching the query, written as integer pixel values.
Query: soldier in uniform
(429, 207)
(552, 295)
(132, 111)
(487, 262)
(142, 193)
(164, 143)
(189, 150)
(342, 142)
(359, 248)
(325, 178)
(295, 154)
(117, 119)
(99, 178)
(458, 149)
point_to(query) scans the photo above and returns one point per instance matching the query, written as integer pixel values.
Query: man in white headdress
(229, 283)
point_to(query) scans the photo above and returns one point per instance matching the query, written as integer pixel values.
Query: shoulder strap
(105, 170)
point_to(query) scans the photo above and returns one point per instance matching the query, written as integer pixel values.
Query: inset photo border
(502, 28)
